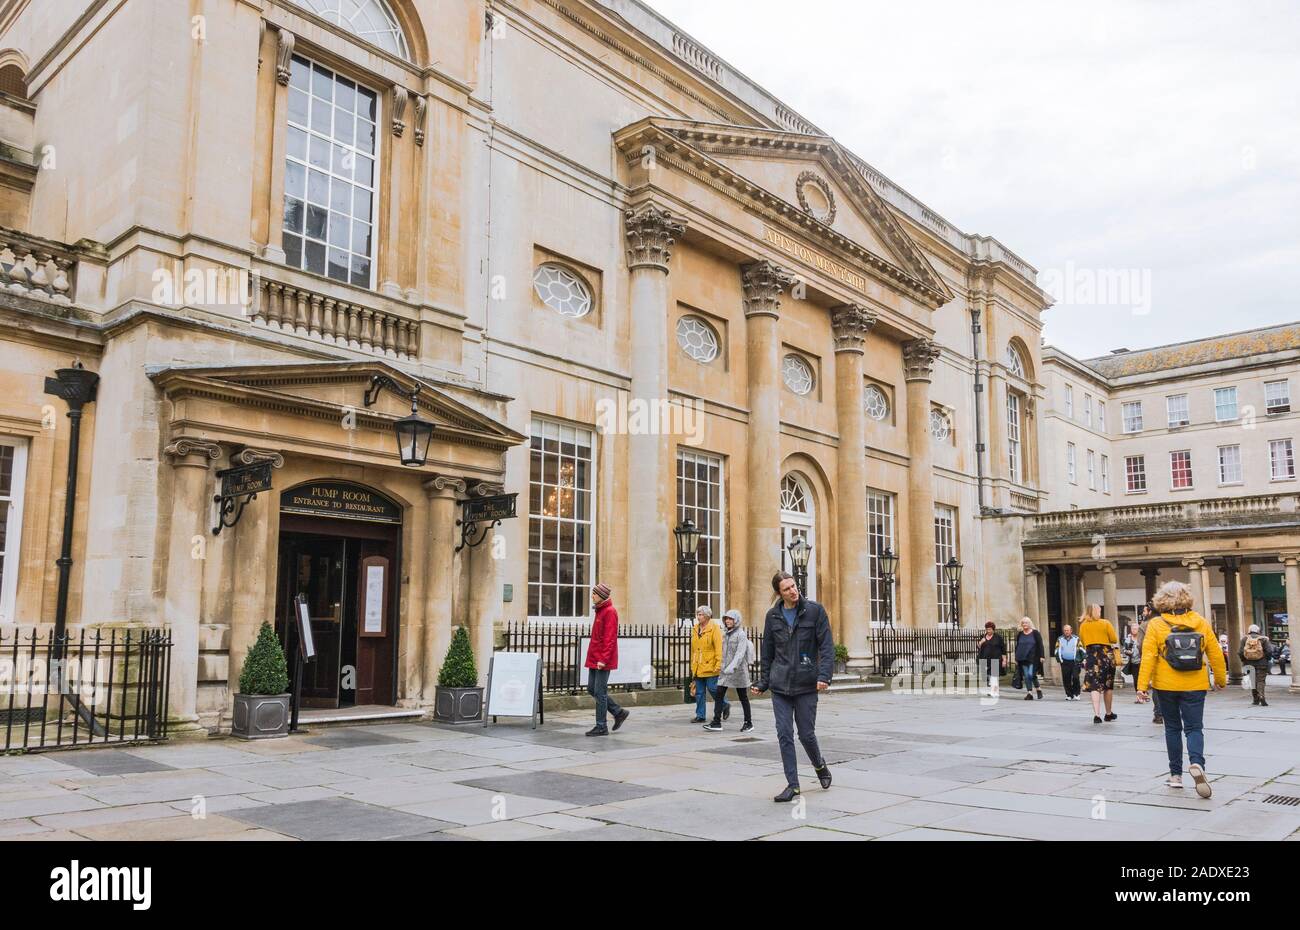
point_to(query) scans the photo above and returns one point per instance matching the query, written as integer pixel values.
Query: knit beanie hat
(602, 591)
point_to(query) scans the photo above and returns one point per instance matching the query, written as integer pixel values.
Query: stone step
(856, 685)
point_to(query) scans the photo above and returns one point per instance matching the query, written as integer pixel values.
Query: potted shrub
(841, 658)
(458, 698)
(262, 704)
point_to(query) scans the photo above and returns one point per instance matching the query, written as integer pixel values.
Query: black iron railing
(892, 647)
(560, 646)
(86, 687)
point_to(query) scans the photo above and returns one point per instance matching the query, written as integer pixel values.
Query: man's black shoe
(824, 775)
(787, 795)
(620, 717)
(726, 711)
(747, 727)
(714, 727)
(1157, 719)
(598, 731)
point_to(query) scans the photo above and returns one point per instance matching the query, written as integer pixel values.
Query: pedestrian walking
(1147, 613)
(1256, 652)
(1100, 642)
(1173, 661)
(1068, 653)
(706, 663)
(991, 653)
(737, 654)
(1130, 655)
(602, 658)
(798, 659)
(1029, 656)
(1283, 658)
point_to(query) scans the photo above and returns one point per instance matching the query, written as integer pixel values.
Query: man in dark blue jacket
(798, 659)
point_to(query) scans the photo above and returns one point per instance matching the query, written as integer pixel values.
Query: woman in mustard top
(1181, 689)
(706, 661)
(1098, 638)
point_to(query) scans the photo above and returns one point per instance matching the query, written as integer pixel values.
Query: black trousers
(720, 701)
(1070, 677)
(796, 710)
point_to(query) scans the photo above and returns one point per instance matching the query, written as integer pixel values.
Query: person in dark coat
(992, 654)
(1029, 657)
(1256, 653)
(1147, 613)
(798, 659)
(602, 658)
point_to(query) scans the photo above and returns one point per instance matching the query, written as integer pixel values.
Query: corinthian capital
(918, 359)
(651, 232)
(763, 283)
(850, 324)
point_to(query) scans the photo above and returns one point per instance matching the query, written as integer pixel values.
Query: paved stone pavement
(905, 767)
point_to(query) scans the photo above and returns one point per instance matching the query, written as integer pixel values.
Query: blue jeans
(1027, 672)
(711, 686)
(598, 687)
(1183, 712)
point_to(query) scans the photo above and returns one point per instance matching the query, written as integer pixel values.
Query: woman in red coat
(602, 658)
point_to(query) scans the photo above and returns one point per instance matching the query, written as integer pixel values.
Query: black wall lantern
(413, 432)
(888, 572)
(952, 572)
(687, 535)
(800, 551)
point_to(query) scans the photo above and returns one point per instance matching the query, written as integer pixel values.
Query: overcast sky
(1150, 147)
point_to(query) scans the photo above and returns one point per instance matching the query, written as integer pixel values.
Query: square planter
(457, 705)
(260, 716)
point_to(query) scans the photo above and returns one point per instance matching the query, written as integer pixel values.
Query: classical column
(1032, 609)
(1110, 607)
(183, 596)
(850, 325)
(918, 366)
(1151, 580)
(651, 232)
(484, 589)
(439, 587)
(1292, 562)
(1044, 611)
(412, 647)
(1196, 582)
(763, 283)
(255, 564)
(1208, 590)
(1232, 615)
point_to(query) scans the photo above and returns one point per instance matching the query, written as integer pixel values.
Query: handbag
(1018, 677)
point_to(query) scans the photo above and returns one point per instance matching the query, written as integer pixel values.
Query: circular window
(940, 426)
(877, 403)
(797, 374)
(697, 339)
(562, 290)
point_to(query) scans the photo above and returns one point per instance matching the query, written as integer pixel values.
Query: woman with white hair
(1256, 653)
(706, 662)
(1177, 642)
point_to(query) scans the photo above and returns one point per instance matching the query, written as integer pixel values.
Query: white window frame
(880, 508)
(1101, 416)
(1225, 477)
(13, 529)
(1283, 399)
(581, 611)
(1191, 474)
(945, 547)
(717, 600)
(1091, 458)
(1174, 404)
(1013, 436)
(1105, 474)
(1273, 446)
(1069, 402)
(1071, 463)
(1135, 467)
(1131, 416)
(1087, 410)
(1218, 405)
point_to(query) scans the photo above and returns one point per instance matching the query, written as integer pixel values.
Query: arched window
(372, 20)
(1015, 361)
(12, 81)
(798, 521)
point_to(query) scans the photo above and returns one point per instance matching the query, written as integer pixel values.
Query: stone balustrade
(1177, 515)
(35, 267)
(333, 320)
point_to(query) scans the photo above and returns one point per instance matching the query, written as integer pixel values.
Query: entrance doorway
(347, 572)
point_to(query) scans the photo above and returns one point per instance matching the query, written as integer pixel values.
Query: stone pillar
(183, 595)
(1032, 607)
(484, 591)
(1232, 615)
(763, 282)
(850, 325)
(256, 564)
(1110, 607)
(1208, 592)
(918, 365)
(1196, 582)
(1292, 562)
(651, 232)
(412, 648)
(1151, 579)
(1041, 585)
(440, 585)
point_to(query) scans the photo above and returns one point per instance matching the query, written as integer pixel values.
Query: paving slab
(334, 819)
(578, 790)
(113, 762)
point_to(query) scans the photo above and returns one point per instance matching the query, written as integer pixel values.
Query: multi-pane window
(1277, 397)
(1092, 470)
(1281, 458)
(1101, 415)
(1135, 474)
(1069, 402)
(1176, 406)
(945, 548)
(372, 20)
(880, 536)
(1087, 409)
(13, 461)
(1013, 435)
(1229, 464)
(1225, 404)
(1071, 463)
(561, 520)
(1015, 363)
(1132, 414)
(1105, 474)
(1180, 469)
(699, 499)
(329, 178)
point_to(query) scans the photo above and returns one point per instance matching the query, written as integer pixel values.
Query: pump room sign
(340, 499)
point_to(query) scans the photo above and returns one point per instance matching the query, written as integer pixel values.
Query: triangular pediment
(818, 182)
(328, 389)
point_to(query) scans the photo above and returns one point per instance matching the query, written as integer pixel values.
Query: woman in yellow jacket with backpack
(1177, 642)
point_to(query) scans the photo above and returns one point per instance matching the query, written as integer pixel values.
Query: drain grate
(1283, 799)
